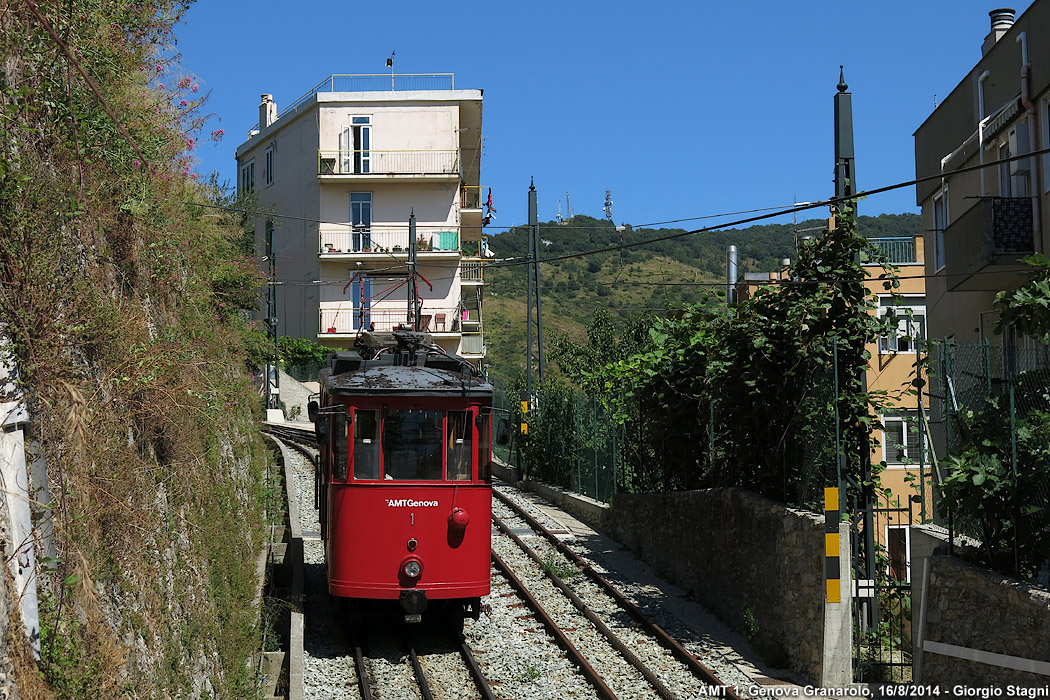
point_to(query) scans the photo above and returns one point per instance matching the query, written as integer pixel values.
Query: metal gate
(882, 589)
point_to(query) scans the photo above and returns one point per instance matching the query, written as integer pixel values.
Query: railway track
(598, 645)
(608, 628)
(431, 664)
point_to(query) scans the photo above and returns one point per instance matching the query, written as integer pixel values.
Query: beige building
(891, 370)
(343, 169)
(982, 220)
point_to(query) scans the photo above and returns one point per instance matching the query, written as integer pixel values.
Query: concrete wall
(979, 628)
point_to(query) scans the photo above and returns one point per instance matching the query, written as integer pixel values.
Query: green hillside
(644, 279)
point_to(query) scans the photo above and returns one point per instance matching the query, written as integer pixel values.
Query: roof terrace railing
(372, 82)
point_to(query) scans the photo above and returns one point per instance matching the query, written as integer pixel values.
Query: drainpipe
(1036, 164)
(980, 126)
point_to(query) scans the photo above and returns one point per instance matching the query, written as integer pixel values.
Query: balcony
(432, 243)
(899, 250)
(471, 272)
(983, 247)
(387, 165)
(471, 212)
(472, 345)
(342, 319)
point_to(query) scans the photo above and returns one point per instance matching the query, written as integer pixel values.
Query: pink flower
(217, 134)
(195, 88)
(136, 163)
(185, 82)
(183, 103)
(159, 68)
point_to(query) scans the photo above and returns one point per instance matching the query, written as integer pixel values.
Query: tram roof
(387, 379)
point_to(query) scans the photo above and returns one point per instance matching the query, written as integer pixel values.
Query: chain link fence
(990, 429)
(578, 443)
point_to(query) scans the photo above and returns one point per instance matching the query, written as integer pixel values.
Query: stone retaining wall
(995, 620)
(756, 564)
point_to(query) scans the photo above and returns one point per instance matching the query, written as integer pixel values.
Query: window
(268, 167)
(485, 448)
(900, 438)
(1004, 171)
(339, 454)
(907, 320)
(459, 442)
(361, 221)
(355, 146)
(248, 177)
(412, 444)
(361, 301)
(366, 444)
(1045, 121)
(940, 222)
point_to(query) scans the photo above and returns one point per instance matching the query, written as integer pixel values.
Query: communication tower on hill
(608, 205)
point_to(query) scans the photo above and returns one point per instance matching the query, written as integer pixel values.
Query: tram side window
(485, 448)
(459, 444)
(412, 444)
(366, 444)
(339, 446)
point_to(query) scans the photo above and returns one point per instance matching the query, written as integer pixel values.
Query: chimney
(1002, 20)
(267, 111)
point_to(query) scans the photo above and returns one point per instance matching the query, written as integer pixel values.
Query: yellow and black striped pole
(524, 396)
(833, 572)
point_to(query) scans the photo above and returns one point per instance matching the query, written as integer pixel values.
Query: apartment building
(365, 174)
(983, 220)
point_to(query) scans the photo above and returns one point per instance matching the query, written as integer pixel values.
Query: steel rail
(604, 691)
(300, 434)
(677, 650)
(476, 673)
(611, 636)
(417, 669)
(362, 674)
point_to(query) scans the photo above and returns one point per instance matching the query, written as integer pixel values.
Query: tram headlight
(412, 568)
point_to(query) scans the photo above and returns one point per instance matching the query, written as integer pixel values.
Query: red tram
(405, 486)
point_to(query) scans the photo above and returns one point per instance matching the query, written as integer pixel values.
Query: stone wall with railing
(980, 629)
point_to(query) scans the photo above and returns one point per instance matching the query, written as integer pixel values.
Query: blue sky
(682, 109)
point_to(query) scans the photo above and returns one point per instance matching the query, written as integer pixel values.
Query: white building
(343, 169)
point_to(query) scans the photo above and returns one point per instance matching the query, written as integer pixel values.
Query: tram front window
(459, 443)
(412, 444)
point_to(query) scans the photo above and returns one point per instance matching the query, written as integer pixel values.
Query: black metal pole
(413, 316)
(273, 375)
(845, 187)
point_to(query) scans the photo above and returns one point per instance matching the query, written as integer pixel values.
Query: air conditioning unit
(1019, 146)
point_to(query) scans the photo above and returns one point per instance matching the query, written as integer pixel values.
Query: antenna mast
(608, 205)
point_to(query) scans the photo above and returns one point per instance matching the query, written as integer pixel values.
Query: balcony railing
(378, 240)
(365, 163)
(346, 318)
(471, 271)
(472, 344)
(898, 250)
(472, 197)
(989, 238)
